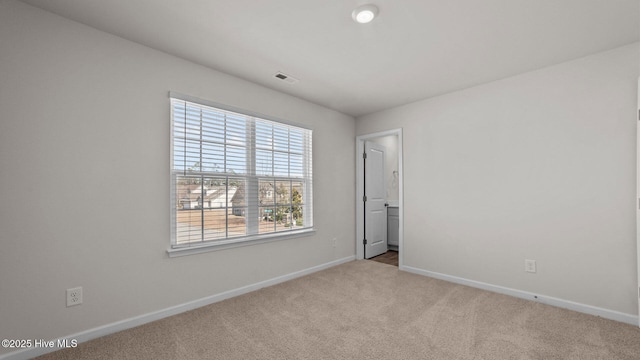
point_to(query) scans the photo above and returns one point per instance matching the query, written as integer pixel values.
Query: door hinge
(364, 241)
(364, 155)
(364, 198)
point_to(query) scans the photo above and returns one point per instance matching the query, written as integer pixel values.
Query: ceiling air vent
(286, 78)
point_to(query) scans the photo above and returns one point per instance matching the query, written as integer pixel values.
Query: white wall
(537, 166)
(84, 181)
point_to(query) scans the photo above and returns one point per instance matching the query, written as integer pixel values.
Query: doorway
(392, 141)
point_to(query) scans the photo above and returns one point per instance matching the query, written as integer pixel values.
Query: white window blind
(236, 177)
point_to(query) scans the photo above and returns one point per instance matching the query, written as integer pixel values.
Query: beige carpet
(368, 310)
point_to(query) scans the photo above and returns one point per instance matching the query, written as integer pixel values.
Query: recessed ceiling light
(365, 13)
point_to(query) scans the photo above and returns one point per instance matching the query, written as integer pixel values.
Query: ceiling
(413, 50)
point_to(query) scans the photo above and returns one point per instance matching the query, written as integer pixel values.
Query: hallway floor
(389, 258)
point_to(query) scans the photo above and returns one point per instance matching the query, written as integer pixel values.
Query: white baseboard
(565, 304)
(174, 310)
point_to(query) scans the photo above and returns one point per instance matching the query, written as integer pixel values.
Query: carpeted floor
(368, 310)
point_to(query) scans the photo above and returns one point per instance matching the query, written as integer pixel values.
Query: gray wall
(84, 185)
(537, 166)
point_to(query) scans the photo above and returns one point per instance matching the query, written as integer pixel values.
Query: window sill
(230, 244)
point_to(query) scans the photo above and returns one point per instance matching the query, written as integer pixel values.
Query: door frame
(638, 197)
(360, 139)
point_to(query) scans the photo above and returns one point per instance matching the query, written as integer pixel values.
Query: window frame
(252, 176)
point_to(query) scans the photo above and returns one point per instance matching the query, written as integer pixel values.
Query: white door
(375, 211)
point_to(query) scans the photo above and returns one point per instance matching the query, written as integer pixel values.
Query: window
(236, 177)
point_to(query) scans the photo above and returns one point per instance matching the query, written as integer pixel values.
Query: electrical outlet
(74, 296)
(530, 266)
(335, 242)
